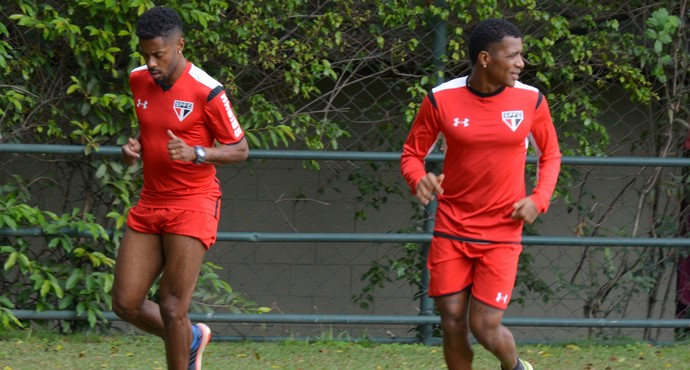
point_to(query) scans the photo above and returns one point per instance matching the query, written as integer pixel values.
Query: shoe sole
(205, 339)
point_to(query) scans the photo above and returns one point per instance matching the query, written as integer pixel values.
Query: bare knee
(455, 324)
(486, 327)
(487, 336)
(495, 338)
(126, 309)
(173, 310)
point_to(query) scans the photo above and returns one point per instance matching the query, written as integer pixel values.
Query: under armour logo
(142, 104)
(502, 297)
(465, 122)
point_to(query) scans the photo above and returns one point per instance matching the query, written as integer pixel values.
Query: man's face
(506, 61)
(162, 58)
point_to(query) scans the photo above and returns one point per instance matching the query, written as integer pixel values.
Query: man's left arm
(227, 153)
(179, 150)
(226, 130)
(545, 140)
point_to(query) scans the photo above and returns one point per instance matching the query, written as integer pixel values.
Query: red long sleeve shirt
(487, 138)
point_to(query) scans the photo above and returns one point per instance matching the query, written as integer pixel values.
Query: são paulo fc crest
(513, 118)
(182, 109)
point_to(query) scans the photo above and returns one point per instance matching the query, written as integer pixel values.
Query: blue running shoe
(202, 335)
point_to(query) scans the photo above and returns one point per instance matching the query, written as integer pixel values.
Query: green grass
(43, 351)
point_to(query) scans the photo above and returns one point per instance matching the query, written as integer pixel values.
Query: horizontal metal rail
(347, 155)
(372, 238)
(385, 238)
(373, 319)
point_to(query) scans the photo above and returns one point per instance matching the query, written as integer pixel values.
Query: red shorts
(199, 225)
(489, 269)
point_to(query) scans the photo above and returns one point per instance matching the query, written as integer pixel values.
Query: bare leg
(183, 258)
(142, 258)
(457, 349)
(485, 322)
(139, 262)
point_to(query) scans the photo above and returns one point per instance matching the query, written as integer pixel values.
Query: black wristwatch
(200, 154)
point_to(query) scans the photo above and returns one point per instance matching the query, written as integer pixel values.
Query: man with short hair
(487, 119)
(183, 113)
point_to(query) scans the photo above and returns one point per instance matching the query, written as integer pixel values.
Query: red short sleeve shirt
(197, 110)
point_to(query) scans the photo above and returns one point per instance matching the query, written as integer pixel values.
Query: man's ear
(180, 45)
(483, 58)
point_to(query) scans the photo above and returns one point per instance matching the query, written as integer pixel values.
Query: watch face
(200, 154)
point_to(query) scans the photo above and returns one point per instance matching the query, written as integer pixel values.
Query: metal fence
(561, 317)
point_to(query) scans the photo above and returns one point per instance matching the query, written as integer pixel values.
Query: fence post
(427, 304)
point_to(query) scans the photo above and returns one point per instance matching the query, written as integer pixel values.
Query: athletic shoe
(526, 365)
(202, 335)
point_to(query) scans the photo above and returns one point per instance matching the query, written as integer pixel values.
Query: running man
(487, 119)
(183, 113)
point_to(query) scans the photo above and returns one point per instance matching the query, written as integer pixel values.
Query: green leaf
(73, 279)
(45, 288)
(11, 260)
(66, 302)
(101, 171)
(4, 301)
(24, 262)
(72, 88)
(8, 221)
(91, 315)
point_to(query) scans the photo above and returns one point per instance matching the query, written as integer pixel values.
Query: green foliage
(662, 30)
(373, 190)
(56, 269)
(64, 67)
(407, 266)
(652, 66)
(213, 294)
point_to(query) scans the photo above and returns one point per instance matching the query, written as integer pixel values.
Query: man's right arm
(420, 141)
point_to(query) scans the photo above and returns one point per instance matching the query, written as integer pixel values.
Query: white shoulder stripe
(520, 85)
(462, 82)
(203, 77)
(139, 68)
(452, 84)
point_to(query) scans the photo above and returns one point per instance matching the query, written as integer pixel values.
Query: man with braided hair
(183, 113)
(487, 119)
